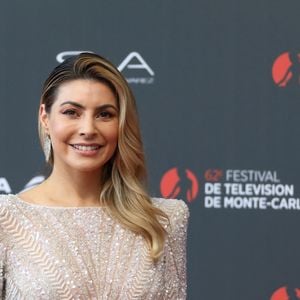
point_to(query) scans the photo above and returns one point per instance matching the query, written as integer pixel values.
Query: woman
(90, 230)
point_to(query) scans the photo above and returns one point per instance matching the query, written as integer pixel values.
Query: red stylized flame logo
(179, 183)
(286, 293)
(286, 68)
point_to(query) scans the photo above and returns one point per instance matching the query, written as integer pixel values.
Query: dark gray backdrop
(211, 104)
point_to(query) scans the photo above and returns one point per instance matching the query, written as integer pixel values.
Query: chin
(88, 167)
(84, 165)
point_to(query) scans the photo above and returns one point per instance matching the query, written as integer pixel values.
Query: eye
(70, 112)
(105, 114)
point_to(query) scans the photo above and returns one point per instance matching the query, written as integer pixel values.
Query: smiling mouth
(86, 147)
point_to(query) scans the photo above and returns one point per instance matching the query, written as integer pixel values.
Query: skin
(83, 127)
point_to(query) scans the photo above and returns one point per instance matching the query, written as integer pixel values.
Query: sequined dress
(82, 253)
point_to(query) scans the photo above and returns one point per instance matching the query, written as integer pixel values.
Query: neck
(73, 188)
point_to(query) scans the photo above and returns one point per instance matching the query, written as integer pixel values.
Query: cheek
(114, 136)
(59, 130)
(111, 133)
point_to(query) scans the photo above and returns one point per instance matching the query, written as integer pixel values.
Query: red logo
(179, 183)
(286, 69)
(286, 293)
(213, 175)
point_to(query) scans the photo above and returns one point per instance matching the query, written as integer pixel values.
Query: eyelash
(71, 112)
(107, 114)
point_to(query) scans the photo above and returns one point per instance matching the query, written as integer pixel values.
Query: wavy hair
(124, 193)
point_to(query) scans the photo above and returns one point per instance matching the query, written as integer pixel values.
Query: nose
(87, 127)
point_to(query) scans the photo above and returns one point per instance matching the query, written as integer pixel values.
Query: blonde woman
(90, 230)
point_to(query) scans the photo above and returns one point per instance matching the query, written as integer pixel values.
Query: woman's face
(83, 125)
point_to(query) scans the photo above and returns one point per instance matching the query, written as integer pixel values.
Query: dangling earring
(47, 148)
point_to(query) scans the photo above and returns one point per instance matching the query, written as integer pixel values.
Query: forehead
(86, 92)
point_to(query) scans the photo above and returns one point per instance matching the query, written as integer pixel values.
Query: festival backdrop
(218, 94)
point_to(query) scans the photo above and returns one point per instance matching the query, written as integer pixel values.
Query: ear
(44, 118)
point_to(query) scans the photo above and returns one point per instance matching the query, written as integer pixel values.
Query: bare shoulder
(174, 208)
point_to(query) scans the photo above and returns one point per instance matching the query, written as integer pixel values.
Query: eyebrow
(82, 107)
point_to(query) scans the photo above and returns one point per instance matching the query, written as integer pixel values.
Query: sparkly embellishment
(82, 253)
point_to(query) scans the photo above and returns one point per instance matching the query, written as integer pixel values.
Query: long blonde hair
(123, 182)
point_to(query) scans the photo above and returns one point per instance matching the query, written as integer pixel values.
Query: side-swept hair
(123, 183)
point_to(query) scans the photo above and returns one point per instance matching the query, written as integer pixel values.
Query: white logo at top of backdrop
(134, 67)
(6, 188)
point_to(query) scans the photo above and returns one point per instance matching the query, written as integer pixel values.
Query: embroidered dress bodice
(82, 253)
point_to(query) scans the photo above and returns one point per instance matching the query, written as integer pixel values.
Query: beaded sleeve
(2, 284)
(175, 273)
(2, 260)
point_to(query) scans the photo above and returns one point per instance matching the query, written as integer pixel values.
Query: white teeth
(86, 148)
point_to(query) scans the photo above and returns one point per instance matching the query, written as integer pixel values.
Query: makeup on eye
(103, 112)
(107, 112)
(78, 105)
(70, 112)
